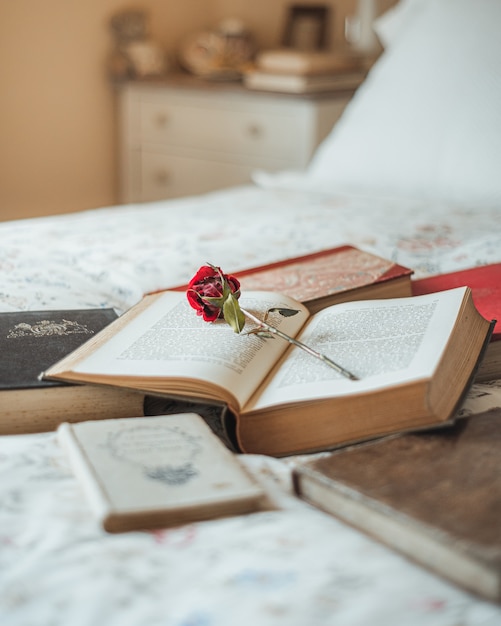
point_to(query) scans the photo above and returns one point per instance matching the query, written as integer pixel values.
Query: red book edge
(394, 271)
(484, 282)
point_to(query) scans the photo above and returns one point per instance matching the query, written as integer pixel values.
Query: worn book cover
(31, 341)
(434, 496)
(154, 472)
(330, 276)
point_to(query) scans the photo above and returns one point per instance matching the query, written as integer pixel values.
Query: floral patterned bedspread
(293, 566)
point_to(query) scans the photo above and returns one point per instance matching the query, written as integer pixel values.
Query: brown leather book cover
(435, 496)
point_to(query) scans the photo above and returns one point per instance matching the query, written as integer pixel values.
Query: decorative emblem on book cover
(171, 452)
(45, 328)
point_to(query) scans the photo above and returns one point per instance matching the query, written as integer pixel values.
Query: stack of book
(409, 356)
(31, 342)
(293, 71)
(414, 347)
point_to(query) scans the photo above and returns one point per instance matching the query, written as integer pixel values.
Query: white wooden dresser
(185, 136)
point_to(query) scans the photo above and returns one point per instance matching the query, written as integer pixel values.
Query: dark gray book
(435, 497)
(31, 341)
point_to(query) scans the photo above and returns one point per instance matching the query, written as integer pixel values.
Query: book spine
(84, 472)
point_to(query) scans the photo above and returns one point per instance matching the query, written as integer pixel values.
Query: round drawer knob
(255, 131)
(162, 177)
(161, 120)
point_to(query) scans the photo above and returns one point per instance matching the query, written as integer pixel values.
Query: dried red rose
(208, 290)
(213, 294)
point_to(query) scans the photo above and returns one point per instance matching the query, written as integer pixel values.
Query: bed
(410, 172)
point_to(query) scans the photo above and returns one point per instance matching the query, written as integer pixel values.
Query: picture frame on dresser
(306, 27)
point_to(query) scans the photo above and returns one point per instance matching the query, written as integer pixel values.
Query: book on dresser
(434, 496)
(295, 71)
(30, 341)
(303, 62)
(414, 358)
(329, 276)
(291, 83)
(154, 472)
(485, 284)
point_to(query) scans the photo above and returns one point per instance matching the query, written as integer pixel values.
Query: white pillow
(392, 23)
(427, 121)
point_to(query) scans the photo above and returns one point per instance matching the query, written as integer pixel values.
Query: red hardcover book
(329, 276)
(485, 283)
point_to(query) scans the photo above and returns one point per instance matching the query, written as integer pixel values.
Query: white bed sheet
(293, 567)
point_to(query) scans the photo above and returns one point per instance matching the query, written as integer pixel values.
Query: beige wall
(56, 105)
(267, 18)
(57, 142)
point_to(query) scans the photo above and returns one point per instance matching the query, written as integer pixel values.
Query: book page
(169, 340)
(383, 342)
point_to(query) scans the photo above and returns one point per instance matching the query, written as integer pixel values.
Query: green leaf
(283, 312)
(233, 314)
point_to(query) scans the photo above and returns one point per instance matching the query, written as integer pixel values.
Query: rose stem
(299, 344)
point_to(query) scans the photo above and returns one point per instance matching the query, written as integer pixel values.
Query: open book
(414, 357)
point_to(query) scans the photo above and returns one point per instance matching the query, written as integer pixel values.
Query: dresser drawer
(184, 136)
(227, 130)
(169, 176)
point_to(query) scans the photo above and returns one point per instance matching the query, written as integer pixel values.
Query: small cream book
(153, 472)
